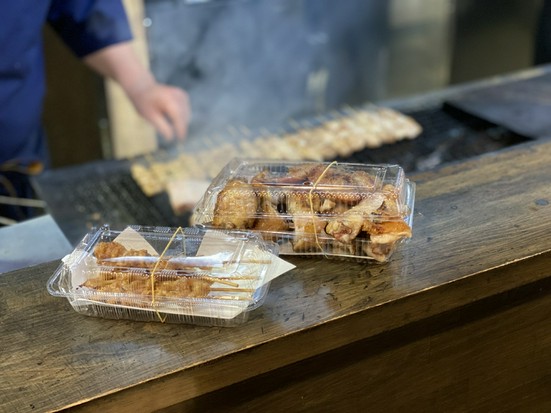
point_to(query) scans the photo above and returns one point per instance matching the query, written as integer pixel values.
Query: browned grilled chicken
(309, 227)
(236, 206)
(383, 235)
(140, 284)
(386, 231)
(348, 225)
(269, 220)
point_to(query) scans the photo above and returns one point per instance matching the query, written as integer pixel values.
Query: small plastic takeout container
(344, 210)
(189, 275)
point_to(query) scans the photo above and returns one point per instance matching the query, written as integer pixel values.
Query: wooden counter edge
(193, 382)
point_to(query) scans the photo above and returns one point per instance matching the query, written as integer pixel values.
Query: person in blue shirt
(97, 31)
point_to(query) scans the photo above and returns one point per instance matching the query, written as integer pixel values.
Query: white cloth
(31, 242)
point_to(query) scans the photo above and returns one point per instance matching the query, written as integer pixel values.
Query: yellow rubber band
(152, 276)
(312, 204)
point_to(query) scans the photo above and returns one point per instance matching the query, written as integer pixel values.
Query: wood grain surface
(481, 228)
(490, 356)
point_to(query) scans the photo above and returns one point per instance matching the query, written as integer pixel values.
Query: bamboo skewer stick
(237, 290)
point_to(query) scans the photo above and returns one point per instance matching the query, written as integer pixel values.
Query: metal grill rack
(319, 138)
(84, 197)
(87, 196)
(448, 136)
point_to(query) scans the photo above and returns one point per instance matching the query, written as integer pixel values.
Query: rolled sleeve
(88, 26)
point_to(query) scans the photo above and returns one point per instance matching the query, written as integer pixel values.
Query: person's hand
(166, 107)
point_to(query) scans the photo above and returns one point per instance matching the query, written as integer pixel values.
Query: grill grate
(448, 135)
(80, 198)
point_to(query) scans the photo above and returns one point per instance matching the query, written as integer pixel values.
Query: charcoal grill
(86, 196)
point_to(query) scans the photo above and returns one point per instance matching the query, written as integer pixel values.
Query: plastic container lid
(313, 208)
(189, 275)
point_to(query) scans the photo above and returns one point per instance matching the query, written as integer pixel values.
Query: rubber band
(152, 276)
(312, 204)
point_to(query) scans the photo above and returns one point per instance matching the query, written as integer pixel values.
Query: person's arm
(166, 107)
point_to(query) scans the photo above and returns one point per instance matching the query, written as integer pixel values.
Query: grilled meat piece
(308, 226)
(347, 226)
(236, 206)
(269, 219)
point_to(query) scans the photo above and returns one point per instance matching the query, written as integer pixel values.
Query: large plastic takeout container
(344, 210)
(189, 275)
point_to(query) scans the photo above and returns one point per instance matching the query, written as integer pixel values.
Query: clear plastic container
(189, 275)
(345, 210)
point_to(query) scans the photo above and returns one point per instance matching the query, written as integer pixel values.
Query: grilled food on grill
(346, 132)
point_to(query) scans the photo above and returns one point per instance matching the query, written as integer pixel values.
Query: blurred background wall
(259, 63)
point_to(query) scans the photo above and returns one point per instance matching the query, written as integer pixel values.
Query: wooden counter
(459, 320)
